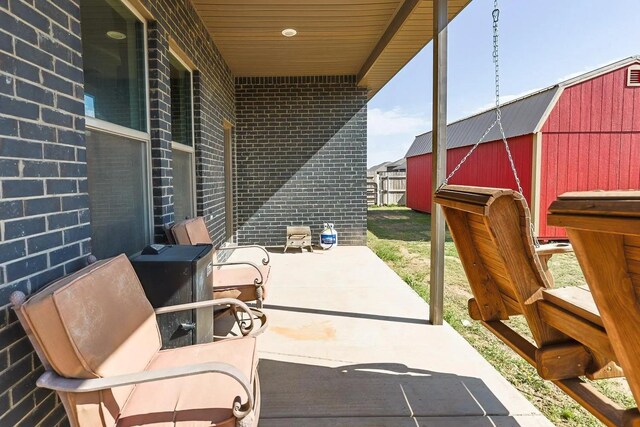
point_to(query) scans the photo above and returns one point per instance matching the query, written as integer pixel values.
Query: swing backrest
(491, 230)
(604, 229)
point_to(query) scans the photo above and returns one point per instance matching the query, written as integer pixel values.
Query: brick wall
(213, 100)
(44, 218)
(301, 157)
(306, 144)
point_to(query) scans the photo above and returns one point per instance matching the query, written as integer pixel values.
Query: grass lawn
(400, 237)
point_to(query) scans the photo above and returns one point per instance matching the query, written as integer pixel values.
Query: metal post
(438, 158)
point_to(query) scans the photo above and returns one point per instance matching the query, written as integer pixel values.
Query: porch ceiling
(372, 39)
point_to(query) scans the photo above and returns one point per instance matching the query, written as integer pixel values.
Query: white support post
(438, 158)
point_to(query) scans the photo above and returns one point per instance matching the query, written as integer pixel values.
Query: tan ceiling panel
(407, 42)
(335, 37)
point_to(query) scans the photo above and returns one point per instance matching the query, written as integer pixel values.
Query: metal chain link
(496, 62)
(466, 156)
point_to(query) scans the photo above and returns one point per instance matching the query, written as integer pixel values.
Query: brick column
(160, 113)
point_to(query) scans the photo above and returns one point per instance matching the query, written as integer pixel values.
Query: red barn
(581, 134)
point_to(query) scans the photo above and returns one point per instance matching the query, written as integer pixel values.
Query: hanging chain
(466, 156)
(496, 63)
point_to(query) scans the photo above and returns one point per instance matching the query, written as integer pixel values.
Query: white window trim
(114, 129)
(144, 137)
(183, 147)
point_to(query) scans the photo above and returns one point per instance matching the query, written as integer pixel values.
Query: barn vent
(633, 75)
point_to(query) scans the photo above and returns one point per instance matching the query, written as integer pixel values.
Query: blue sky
(542, 42)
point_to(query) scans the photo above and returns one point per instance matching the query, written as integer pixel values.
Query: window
(113, 51)
(181, 94)
(116, 194)
(182, 137)
(114, 58)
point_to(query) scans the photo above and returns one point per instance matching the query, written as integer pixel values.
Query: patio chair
(491, 231)
(96, 335)
(243, 279)
(604, 228)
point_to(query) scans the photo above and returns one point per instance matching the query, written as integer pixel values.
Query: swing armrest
(553, 248)
(545, 252)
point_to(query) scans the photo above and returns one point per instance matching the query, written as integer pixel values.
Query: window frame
(98, 125)
(180, 57)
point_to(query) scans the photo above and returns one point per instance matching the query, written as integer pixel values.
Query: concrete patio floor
(349, 345)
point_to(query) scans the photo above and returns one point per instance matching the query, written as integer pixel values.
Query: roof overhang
(371, 39)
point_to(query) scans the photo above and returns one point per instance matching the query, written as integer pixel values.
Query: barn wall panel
(585, 162)
(488, 166)
(601, 104)
(590, 141)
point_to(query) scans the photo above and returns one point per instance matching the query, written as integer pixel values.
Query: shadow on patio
(349, 344)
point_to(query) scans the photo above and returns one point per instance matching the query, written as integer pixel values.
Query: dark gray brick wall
(44, 221)
(44, 217)
(301, 157)
(214, 102)
(160, 127)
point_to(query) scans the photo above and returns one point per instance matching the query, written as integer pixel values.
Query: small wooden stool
(298, 237)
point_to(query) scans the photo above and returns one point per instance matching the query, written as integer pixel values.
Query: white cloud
(394, 122)
(391, 132)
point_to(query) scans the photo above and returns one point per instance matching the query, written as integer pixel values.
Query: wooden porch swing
(490, 228)
(508, 273)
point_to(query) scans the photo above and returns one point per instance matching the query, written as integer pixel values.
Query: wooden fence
(387, 188)
(372, 192)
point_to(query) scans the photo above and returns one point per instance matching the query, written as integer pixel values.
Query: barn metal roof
(519, 117)
(398, 164)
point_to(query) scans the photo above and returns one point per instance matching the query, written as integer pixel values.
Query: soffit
(335, 37)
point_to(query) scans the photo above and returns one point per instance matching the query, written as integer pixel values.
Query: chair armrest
(265, 261)
(258, 280)
(554, 248)
(52, 381)
(253, 330)
(210, 303)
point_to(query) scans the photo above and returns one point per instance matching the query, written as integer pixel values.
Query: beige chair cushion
(191, 232)
(228, 282)
(200, 400)
(95, 323)
(238, 282)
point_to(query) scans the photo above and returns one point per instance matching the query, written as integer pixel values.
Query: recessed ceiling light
(116, 35)
(289, 32)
